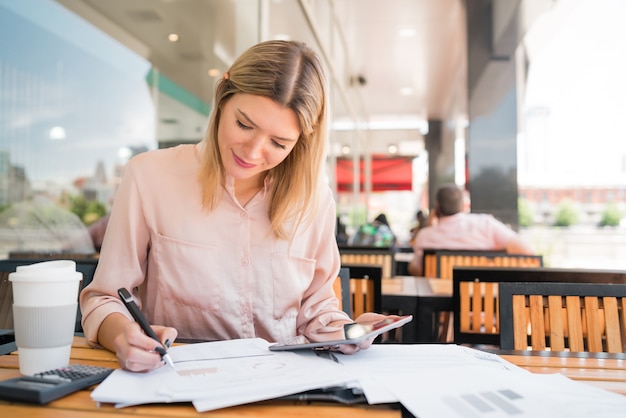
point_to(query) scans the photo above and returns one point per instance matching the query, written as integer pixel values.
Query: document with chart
(220, 374)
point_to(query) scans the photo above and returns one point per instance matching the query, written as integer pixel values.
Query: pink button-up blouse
(211, 275)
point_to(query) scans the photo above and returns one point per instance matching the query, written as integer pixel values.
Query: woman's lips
(241, 162)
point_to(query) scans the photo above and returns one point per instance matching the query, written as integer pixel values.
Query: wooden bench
(576, 317)
(475, 295)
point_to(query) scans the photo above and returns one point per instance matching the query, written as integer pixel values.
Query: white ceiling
(428, 61)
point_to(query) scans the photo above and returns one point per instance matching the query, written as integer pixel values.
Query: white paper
(478, 391)
(430, 380)
(220, 374)
(373, 366)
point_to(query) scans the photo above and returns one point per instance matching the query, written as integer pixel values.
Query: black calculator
(47, 386)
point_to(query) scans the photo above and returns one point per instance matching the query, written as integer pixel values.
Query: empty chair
(475, 295)
(478, 318)
(576, 317)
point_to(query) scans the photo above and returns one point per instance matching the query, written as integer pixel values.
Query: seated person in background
(452, 229)
(374, 234)
(422, 221)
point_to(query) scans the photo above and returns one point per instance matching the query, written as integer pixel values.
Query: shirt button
(243, 215)
(245, 262)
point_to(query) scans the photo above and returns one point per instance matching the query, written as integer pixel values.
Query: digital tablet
(354, 333)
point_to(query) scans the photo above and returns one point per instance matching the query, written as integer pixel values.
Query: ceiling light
(172, 37)
(345, 149)
(214, 72)
(392, 149)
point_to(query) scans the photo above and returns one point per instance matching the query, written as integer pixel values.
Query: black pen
(132, 307)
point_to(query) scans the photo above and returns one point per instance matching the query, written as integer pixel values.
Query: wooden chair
(375, 256)
(475, 295)
(86, 266)
(576, 317)
(365, 289)
(440, 263)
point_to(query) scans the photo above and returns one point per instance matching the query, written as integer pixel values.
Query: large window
(74, 106)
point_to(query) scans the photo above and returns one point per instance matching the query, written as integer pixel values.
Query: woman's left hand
(368, 317)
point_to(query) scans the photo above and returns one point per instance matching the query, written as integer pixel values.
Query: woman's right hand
(135, 351)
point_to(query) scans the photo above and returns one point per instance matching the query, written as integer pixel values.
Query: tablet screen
(354, 333)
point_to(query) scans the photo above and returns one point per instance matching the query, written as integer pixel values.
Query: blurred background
(520, 102)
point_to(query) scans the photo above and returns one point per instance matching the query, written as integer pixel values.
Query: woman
(232, 237)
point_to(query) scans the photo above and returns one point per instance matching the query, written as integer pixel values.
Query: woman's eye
(242, 126)
(279, 145)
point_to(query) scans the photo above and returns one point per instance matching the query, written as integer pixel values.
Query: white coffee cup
(45, 301)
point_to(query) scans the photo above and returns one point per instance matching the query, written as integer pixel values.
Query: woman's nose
(254, 146)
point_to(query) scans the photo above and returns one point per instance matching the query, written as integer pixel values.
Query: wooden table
(80, 405)
(421, 297)
(605, 371)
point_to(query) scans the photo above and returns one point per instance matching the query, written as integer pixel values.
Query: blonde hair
(291, 74)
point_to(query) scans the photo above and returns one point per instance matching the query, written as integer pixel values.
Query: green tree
(525, 212)
(566, 214)
(611, 215)
(87, 211)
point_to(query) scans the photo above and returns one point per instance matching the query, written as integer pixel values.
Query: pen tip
(168, 360)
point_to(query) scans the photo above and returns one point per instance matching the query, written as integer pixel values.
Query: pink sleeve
(320, 318)
(122, 258)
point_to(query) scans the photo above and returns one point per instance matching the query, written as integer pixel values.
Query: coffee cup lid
(57, 269)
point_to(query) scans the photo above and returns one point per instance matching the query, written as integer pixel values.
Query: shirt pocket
(292, 276)
(189, 274)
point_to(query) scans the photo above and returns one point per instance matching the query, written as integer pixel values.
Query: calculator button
(55, 378)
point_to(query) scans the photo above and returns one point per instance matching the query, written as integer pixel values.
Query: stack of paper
(429, 380)
(455, 381)
(220, 374)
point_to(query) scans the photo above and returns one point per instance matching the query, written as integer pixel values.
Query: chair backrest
(51, 255)
(577, 317)
(341, 286)
(6, 300)
(365, 289)
(375, 256)
(401, 259)
(86, 266)
(475, 295)
(440, 263)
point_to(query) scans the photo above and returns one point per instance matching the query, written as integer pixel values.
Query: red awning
(395, 173)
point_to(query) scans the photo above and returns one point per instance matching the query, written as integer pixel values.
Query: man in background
(450, 228)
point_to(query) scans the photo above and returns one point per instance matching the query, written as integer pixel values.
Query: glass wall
(84, 86)
(74, 106)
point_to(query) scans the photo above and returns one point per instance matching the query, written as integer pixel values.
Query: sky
(60, 74)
